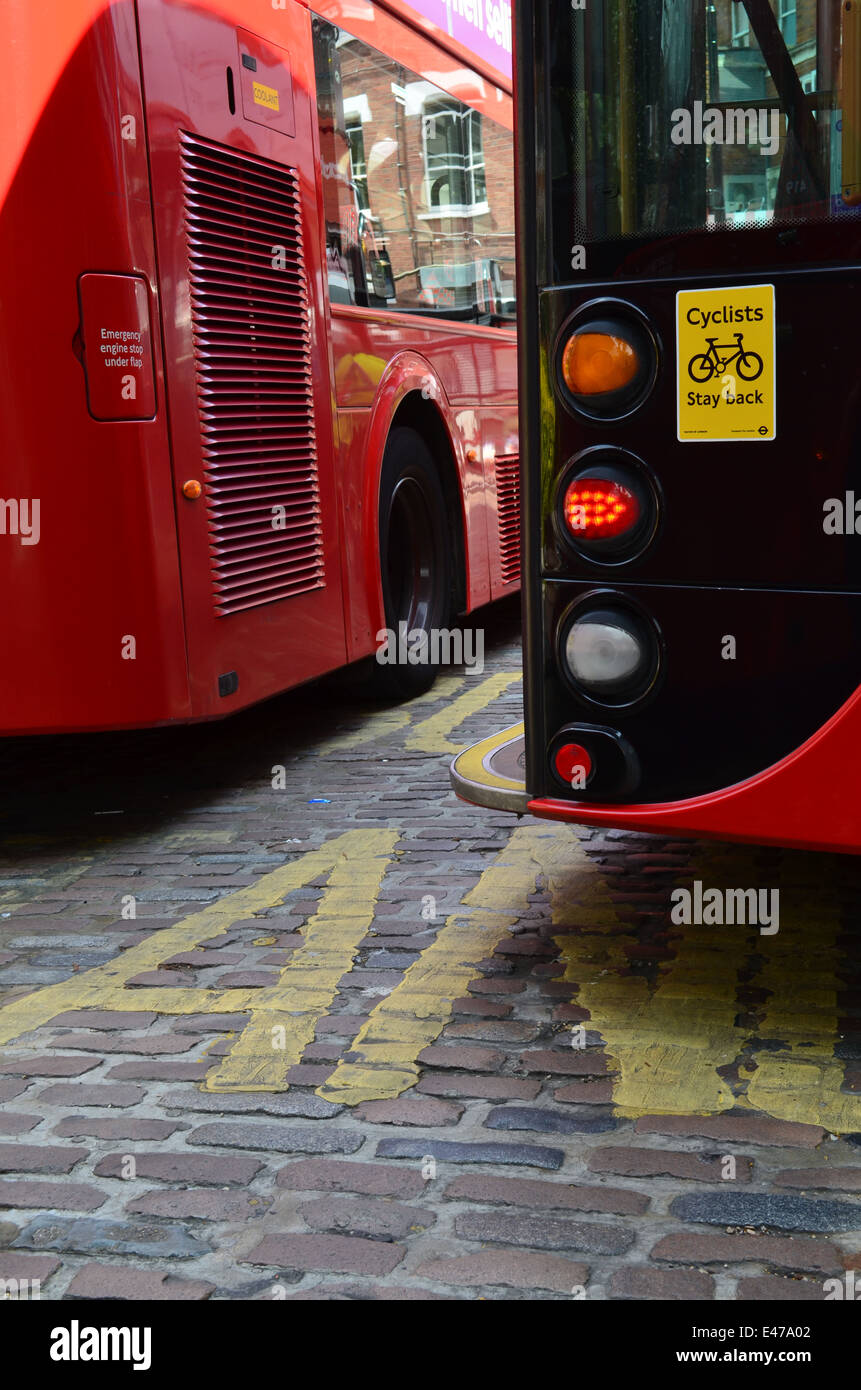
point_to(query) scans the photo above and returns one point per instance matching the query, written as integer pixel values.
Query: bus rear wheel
(415, 563)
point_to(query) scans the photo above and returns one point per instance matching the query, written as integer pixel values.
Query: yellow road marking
(802, 1081)
(416, 1011)
(378, 725)
(179, 838)
(355, 860)
(667, 1042)
(54, 879)
(280, 1028)
(429, 736)
(389, 721)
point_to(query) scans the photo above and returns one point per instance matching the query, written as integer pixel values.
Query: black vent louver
(252, 345)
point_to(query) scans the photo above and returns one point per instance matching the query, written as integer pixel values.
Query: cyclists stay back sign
(725, 363)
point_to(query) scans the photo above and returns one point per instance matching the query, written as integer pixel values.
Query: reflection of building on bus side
(744, 183)
(429, 186)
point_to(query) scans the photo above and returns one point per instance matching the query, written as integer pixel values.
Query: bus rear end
(169, 544)
(691, 421)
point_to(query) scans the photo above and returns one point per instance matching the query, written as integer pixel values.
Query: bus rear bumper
(807, 801)
(491, 773)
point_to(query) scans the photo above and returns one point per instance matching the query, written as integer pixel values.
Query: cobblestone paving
(502, 1071)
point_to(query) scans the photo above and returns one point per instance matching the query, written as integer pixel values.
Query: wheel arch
(420, 414)
(411, 394)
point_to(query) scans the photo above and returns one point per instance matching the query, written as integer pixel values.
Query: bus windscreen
(684, 115)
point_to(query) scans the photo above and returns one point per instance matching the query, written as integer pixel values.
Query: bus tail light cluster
(605, 510)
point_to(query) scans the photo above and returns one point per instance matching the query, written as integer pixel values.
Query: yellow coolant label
(266, 96)
(725, 363)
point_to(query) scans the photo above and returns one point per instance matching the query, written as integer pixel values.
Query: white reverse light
(602, 655)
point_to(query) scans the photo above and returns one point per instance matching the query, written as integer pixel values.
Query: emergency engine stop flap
(118, 365)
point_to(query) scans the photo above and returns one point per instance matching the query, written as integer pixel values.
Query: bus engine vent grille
(508, 515)
(252, 343)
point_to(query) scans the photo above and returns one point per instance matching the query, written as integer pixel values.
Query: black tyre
(415, 562)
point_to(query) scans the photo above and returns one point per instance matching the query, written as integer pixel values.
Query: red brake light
(598, 509)
(573, 758)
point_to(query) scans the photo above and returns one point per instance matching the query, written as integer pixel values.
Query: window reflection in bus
(418, 189)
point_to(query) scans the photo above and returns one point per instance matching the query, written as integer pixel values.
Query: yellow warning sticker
(266, 96)
(725, 363)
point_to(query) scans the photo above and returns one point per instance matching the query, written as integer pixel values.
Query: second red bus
(258, 386)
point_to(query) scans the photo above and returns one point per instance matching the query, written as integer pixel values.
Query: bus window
(425, 179)
(676, 116)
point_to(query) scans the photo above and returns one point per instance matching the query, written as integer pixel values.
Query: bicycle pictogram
(704, 365)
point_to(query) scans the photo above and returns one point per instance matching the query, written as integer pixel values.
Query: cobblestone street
(282, 1018)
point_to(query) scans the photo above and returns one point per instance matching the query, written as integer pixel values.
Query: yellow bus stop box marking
(266, 96)
(725, 364)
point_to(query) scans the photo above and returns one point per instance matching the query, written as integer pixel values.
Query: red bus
(690, 204)
(258, 385)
